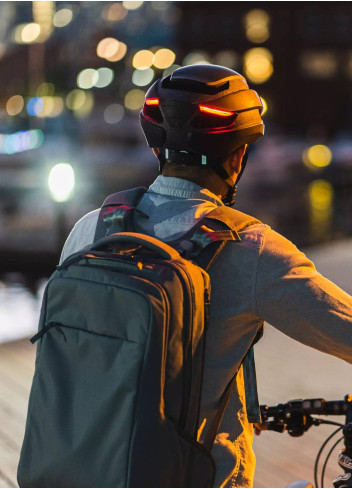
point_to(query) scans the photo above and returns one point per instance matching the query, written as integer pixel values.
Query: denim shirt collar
(185, 189)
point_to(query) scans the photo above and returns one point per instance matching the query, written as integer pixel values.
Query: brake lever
(295, 423)
(276, 426)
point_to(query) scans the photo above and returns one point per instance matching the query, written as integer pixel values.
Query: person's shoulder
(270, 243)
(81, 235)
(88, 219)
(250, 229)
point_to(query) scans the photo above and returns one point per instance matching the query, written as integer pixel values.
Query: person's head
(200, 120)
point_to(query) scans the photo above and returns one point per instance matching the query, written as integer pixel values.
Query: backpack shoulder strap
(109, 215)
(234, 219)
(209, 236)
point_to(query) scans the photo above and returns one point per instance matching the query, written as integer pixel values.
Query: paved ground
(286, 370)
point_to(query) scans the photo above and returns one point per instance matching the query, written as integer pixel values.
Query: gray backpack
(116, 393)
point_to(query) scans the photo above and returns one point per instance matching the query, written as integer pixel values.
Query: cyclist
(199, 122)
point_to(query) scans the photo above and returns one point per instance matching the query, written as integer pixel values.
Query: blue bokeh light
(35, 106)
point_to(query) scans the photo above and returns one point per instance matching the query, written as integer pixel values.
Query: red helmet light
(214, 111)
(152, 101)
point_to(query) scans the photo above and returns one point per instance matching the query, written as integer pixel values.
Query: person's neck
(210, 181)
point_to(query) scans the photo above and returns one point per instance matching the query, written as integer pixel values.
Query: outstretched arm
(291, 295)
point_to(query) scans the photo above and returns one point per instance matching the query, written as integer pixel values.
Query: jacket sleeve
(291, 295)
(81, 235)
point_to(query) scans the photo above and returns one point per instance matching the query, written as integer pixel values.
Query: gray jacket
(262, 277)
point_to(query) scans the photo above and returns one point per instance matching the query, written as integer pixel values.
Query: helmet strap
(229, 198)
(162, 161)
(244, 162)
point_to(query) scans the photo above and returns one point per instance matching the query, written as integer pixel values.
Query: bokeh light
(120, 53)
(107, 47)
(319, 64)
(196, 57)
(134, 99)
(114, 113)
(258, 65)
(111, 49)
(81, 102)
(21, 141)
(35, 106)
(320, 194)
(130, 5)
(317, 156)
(76, 99)
(114, 12)
(143, 59)
(43, 13)
(57, 107)
(163, 58)
(14, 105)
(257, 24)
(141, 78)
(52, 106)
(63, 17)
(45, 89)
(105, 77)
(30, 33)
(321, 206)
(87, 78)
(61, 182)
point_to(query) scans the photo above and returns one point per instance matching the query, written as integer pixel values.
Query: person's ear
(156, 151)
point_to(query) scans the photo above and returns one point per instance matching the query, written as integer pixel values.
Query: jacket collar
(185, 189)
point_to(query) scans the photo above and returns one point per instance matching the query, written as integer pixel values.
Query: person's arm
(292, 296)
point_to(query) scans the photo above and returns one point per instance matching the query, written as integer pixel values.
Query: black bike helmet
(201, 114)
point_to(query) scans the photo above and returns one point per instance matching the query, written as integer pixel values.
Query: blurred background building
(73, 80)
(73, 76)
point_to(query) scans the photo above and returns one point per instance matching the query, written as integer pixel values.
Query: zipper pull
(42, 332)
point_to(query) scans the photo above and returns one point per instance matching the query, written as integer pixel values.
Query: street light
(61, 182)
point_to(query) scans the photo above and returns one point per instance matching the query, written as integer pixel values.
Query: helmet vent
(188, 85)
(153, 112)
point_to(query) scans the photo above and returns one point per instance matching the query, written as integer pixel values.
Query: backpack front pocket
(83, 393)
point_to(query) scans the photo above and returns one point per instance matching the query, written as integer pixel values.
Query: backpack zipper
(44, 330)
(188, 380)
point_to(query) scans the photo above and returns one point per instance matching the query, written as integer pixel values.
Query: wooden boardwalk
(286, 370)
(16, 371)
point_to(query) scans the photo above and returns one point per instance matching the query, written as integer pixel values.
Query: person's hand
(259, 427)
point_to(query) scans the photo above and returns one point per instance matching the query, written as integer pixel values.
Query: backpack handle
(149, 242)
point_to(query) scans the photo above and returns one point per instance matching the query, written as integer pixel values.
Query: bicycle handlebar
(305, 406)
(296, 417)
